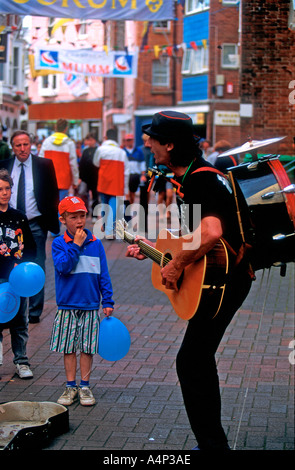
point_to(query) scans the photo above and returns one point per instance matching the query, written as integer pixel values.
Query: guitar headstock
(121, 226)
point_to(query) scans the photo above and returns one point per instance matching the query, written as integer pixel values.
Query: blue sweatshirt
(82, 279)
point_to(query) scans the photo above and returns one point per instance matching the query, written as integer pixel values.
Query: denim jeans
(18, 328)
(109, 209)
(36, 302)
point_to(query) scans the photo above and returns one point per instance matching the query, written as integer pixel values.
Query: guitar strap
(209, 168)
(245, 247)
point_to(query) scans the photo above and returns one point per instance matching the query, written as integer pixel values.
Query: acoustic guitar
(201, 283)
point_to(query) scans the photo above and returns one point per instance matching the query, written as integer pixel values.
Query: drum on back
(270, 198)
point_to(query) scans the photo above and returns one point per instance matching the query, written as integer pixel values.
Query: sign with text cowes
(134, 10)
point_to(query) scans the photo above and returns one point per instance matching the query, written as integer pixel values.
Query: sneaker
(86, 396)
(69, 396)
(23, 371)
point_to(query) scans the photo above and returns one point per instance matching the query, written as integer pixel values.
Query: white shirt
(31, 203)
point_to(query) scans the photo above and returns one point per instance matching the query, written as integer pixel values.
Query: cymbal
(251, 145)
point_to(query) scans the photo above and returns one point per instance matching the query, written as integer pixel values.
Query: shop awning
(74, 110)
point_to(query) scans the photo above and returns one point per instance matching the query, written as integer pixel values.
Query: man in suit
(39, 203)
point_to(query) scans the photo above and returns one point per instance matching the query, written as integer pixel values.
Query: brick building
(267, 72)
(223, 120)
(158, 85)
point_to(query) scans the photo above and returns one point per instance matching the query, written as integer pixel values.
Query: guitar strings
(150, 251)
(153, 253)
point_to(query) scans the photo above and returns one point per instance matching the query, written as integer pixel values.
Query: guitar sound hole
(168, 256)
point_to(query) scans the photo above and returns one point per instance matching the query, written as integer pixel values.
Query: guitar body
(200, 282)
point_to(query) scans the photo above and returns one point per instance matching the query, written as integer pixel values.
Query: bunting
(145, 34)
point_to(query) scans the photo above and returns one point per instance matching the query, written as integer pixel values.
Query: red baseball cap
(71, 204)
(129, 137)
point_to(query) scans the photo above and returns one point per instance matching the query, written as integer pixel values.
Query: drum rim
(283, 181)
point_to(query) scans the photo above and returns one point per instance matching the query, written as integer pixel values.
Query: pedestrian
(4, 148)
(62, 151)
(82, 282)
(16, 245)
(113, 177)
(88, 173)
(219, 162)
(137, 166)
(36, 195)
(173, 144)
(206, 147)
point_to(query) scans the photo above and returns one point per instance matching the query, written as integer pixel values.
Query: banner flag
(76, 84)
(135, 10)
(87, 62)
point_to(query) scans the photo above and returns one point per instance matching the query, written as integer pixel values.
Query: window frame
(196, 6)
(230, 2)
(226, 65)
(53, 85)
(165, 74)
(191, 58)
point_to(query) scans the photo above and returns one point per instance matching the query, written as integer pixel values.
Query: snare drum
(272, 212)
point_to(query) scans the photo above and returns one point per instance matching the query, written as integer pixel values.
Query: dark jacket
(45, 189)
(16, 241)
(4, 151)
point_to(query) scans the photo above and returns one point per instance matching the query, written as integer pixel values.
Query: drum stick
(237, 205)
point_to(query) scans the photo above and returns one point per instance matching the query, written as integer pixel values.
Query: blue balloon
(114, 339)
(27, 279)
(9, 302)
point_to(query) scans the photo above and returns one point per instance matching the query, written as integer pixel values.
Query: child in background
(82, 283)
(16, 245)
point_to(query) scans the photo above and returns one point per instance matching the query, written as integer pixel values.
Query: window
(15, 66)
(230, 57)
(15, 69)
(83, 27)
(195, 61)
(160, 72)
(230, 2)
(193, 6)
(48, 85)
(160, 26)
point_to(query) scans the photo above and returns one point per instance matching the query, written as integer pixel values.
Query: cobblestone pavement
(138, 400)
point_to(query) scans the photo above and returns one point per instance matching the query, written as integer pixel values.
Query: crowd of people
(56, 187)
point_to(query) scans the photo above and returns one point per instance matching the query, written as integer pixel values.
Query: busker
(172, 141)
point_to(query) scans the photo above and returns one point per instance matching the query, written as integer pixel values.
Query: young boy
(16, 245)
(82, 282)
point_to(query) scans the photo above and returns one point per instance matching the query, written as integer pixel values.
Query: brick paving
(138, 400)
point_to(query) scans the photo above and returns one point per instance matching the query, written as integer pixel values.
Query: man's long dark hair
(184, 151)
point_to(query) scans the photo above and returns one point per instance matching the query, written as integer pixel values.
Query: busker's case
(28, 425)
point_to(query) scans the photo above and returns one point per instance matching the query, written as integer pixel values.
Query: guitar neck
(147, 250)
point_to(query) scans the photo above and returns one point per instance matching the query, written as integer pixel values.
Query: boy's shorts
(75, 329)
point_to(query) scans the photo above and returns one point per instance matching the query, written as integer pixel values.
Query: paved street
(138, 400)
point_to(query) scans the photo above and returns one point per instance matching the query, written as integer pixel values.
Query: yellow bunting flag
(156, 51)
(204, 42)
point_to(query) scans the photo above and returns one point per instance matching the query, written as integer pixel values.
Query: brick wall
(146, 94)
(223, 29)
(268, 66)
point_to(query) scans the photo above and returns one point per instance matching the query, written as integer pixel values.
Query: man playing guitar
(172, 141)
